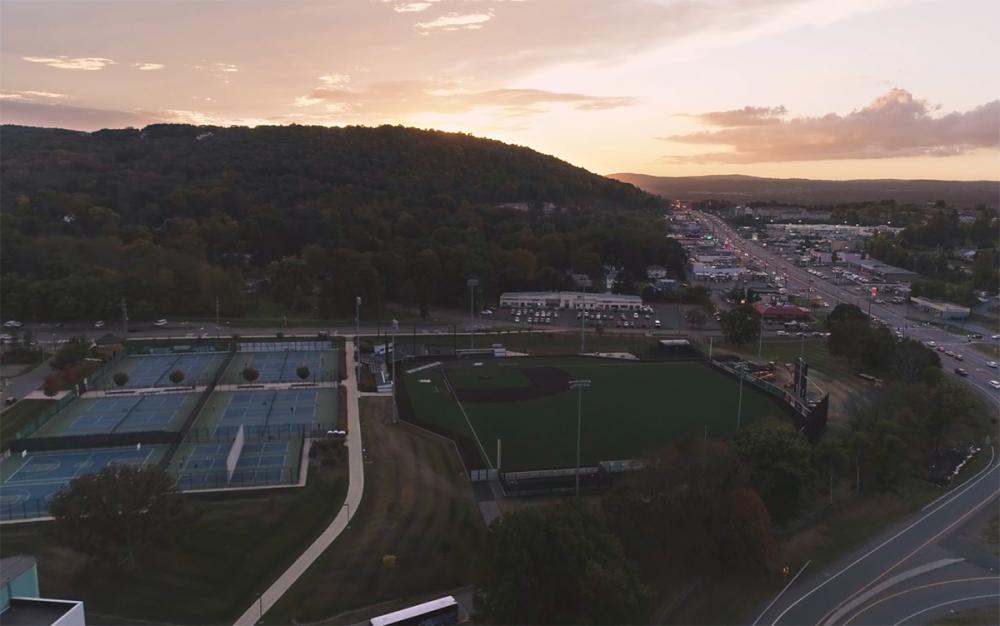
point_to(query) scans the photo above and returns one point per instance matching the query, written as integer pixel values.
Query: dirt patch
(545, 381)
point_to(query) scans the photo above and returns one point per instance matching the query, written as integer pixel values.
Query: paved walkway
(355, 490)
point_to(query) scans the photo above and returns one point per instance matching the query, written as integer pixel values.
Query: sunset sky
(819, 89)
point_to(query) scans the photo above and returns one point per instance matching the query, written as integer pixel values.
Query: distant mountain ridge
(739, 188)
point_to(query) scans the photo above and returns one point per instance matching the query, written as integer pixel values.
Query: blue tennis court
(267, 411)
(282, 367)
(102, 415)
(130, 414)
(147, 371)
(45, 473)
(260, 463)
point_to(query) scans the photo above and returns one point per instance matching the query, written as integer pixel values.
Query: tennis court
(271, 411)
(90, 416)
(32, 480)
(147, 371)
(281, 366)
(203, 466)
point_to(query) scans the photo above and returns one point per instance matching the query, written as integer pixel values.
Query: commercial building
(20, 602)
(781, 312)
(571, 300)
(884, 272)
(944, 310)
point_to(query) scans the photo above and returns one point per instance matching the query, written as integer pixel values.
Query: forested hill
(172, 216)
(736, 189)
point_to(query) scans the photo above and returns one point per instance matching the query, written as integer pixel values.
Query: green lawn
(230, 549)
(630, 408)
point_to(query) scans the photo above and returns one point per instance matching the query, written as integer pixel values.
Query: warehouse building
(578, 300)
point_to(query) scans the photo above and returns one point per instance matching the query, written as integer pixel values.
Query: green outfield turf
(629, 409)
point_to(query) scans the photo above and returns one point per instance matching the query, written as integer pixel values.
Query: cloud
(412, 7)
(71, 117)
(894, 125)
(334, 80)
(747, 116)
(397, 98)
(92, 64)
(218, 68)
(30, 95)
(148, 67)
(306, 101)
(456, 21)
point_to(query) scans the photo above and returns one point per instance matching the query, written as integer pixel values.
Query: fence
(26, 509)
(40, 420)
(97, 375)
(242, 478)
(101, 440)
(274, 432)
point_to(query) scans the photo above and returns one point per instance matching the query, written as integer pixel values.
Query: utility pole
(472, 283)
(739, 409)
(124, 319)
(579, 386)
(395, 327)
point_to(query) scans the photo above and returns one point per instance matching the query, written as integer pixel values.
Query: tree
(695, 317)
(302, 372)
(176, 377)
(74, 350)
(741, 325)
(830, 456)
(250, 374)
(117, 512)
(120, 379)
(779, 459)
(848, 339)
(844, 312)
(558, 565)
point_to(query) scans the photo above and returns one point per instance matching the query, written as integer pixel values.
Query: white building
(570, 300)
(944, 310)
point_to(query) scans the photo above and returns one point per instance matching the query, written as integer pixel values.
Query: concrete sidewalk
(355, 490)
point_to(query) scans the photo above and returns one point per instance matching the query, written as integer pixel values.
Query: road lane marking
(920, 588)
(941, 604)
(768, 607)
(865, 556)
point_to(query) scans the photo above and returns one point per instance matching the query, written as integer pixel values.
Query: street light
(357, 336)
(395, 327)
(472, 283)
(579, 385)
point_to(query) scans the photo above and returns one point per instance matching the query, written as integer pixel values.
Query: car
(958, 357)
(635, 316)
(517, 319)
(6, 337)
(12, 324)
(160, 323)
(657, 324)
(99, 324)
(961, 372)
(782, 332)
(996, 336)
(11, 400)
(941, 349)
(992, 364)
(995, 384)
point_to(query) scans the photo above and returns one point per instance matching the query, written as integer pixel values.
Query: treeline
(173, 217)
(928, 248)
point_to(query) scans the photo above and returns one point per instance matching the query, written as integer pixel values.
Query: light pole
(739, 407)
(579, 385)
(583, 321)
(472, 283)
(395, 327)
(357, 336)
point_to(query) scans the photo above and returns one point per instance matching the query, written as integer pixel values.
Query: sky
(830, 89)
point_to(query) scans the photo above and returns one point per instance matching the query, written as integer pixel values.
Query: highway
(920, 570)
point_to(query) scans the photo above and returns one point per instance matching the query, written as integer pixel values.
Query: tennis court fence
(96, 440)
(25, 509)
(254, 433)
(31, 428)
(242, 478)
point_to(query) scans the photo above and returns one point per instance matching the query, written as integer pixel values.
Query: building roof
(13, 566)
(780, 310)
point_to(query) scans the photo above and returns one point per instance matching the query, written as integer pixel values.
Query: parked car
(99, 324)
(160, 323)
(995, 384)
(992, 364)
(961, 372)
(12, 324)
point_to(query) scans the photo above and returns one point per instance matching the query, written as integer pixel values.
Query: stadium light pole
(739, 408)
(472, 283)
(579, 385)
(583, 321)
(395, 327)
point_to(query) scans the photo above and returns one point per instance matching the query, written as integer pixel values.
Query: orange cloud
(895, 125)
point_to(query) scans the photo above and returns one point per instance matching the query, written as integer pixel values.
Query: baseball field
(628, 409)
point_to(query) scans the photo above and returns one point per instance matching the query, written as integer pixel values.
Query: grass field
(228, 550)
(629, 409)
(417, 506)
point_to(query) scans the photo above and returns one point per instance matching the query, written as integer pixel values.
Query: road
(919, 570)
